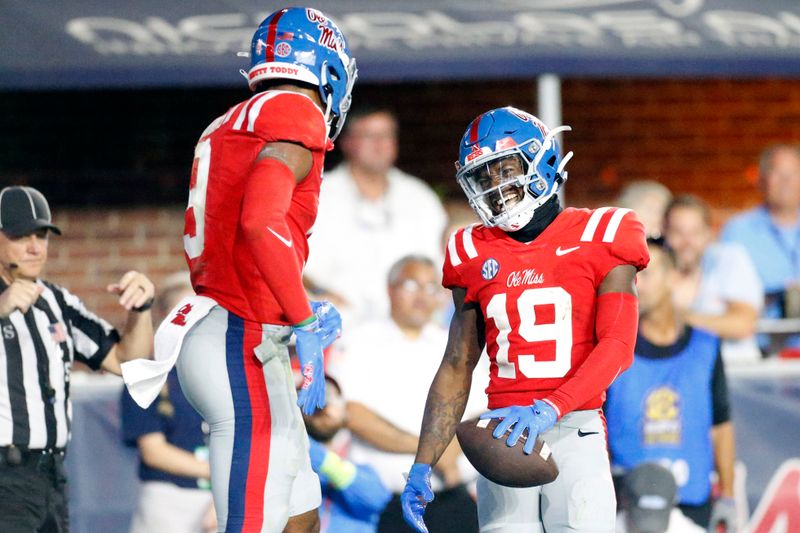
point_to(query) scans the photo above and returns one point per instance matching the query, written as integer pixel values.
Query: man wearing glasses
(385, 368)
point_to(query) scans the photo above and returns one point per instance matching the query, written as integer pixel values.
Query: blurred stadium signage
(779, 509)
(765, 404)
(119, 43)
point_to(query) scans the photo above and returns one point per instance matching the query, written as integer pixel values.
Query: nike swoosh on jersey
(582, 433)
(560, 252)
(287, 242)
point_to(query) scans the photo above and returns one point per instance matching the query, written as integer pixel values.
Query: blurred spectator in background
(385, 370)
(716, 286)
(371, 214)
(671, 406)
(649, 199)
(353, 494)
(647, 500)
(172, 445)
(459, 215)
(771, 232)
(46, 329)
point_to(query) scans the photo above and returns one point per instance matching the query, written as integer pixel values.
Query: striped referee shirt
(36, 355)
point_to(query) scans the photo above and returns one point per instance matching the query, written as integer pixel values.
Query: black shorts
(33, 493)
(699, 514)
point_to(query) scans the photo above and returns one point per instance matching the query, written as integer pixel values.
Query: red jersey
(539, 299)
(222, 267)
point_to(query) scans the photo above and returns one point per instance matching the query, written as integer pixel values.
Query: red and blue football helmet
(509, 163)
(302, 44)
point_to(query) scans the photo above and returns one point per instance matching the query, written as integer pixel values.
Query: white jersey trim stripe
(256, 109)
(258, 102)
(594, 221)
(240, 119)
(455, 260)
(613, 224)
(230, 113)
(469, 244)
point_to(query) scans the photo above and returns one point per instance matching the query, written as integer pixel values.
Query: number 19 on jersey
(560, 331)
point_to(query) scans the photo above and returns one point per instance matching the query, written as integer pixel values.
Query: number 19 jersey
(539, 299)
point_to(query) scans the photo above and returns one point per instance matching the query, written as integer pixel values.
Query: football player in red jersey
(550, 293)
(253, 199)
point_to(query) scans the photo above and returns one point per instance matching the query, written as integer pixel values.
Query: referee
(44, 329)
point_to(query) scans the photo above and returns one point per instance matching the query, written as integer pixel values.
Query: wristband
(306, 322)
(144, 307)
(340, 473)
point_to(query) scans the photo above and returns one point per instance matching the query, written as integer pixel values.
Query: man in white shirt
(718, 287)
(386, 367)
(371, 214)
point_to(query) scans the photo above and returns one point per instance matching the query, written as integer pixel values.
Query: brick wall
(694, 136)
(98, 246)
(700, 136)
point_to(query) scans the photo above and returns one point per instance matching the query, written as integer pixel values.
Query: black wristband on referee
(144, 307)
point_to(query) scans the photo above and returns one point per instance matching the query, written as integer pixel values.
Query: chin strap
(542, 216)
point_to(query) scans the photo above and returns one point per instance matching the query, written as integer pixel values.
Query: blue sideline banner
(766, 413)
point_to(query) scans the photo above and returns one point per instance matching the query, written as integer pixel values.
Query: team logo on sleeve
(490, 269)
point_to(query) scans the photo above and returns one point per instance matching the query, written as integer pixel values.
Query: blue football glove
(536, 418)
(309, 351)
(330, 322)
(416, 496)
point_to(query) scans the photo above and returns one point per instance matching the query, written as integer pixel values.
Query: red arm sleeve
(267, 197)
(615, 326)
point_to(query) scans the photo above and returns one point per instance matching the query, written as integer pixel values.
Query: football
(502, 464)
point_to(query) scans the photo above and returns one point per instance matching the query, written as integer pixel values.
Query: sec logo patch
(283, 49)
(490, 269)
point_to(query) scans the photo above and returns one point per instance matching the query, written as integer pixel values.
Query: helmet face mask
(301, 44)
(497, 185)
(339, 89)
(509, 165)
